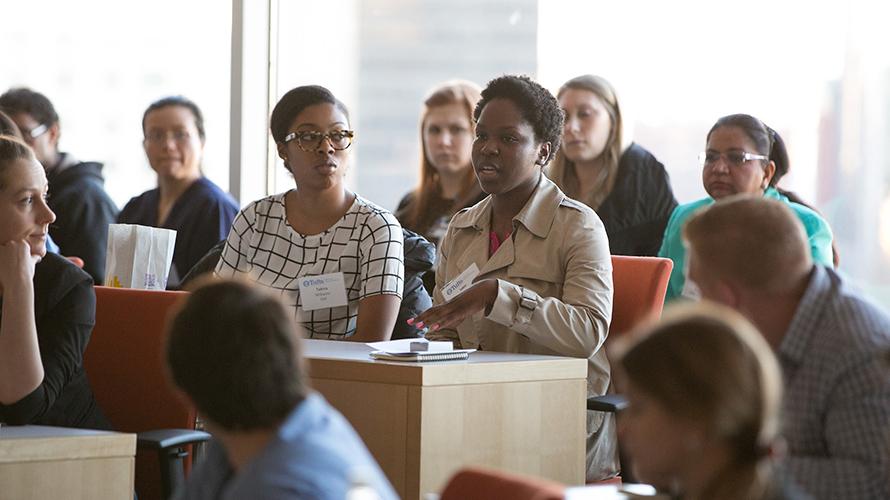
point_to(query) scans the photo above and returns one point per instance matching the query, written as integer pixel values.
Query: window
(102, 62)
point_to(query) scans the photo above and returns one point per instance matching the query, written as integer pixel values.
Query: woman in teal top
(743, 156)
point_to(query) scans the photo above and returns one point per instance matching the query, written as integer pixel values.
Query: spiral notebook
(419, 357)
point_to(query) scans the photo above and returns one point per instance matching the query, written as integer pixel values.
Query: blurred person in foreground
(704, 392)
(752, 254)
(235, 352)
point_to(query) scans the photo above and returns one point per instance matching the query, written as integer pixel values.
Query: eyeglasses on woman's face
(310, 140)
(157, 137)
(732, 158)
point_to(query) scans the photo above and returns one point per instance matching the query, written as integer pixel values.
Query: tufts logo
(313, 282)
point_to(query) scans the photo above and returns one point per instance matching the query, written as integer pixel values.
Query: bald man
(752, 254)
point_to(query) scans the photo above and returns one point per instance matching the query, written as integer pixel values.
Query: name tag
(323, 291)
(463, 281)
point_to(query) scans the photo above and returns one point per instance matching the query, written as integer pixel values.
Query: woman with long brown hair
(447, 181)
(627, 186)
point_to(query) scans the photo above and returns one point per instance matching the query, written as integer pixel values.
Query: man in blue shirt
(833, 345)
(235, 353)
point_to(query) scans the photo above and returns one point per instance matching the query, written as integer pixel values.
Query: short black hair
(536, 104)
(294, 102)
(235, 350)
(177, 100)
(24, 100)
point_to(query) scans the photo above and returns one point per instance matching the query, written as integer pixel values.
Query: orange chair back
(125, 365)
(476, 483)
(639, 284)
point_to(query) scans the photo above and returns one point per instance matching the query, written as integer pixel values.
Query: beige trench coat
(554, 293)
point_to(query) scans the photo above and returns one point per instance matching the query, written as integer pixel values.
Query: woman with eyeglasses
(197, 209)
(48, 307)
(527, 269)
(742, 156)
(627, 186)
(334, 257)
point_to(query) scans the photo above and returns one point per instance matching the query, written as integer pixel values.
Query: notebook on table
(423, 356)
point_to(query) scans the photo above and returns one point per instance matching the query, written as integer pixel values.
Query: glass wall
(818, 73)
(102, 62)
(382, 56)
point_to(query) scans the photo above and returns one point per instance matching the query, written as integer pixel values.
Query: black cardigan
(637, 210)
(65, 310)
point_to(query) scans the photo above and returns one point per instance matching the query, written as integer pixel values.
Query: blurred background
(817, 72)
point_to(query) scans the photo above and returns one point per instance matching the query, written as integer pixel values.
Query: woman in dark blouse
(627, 187)
(198, 210)
(48, 307)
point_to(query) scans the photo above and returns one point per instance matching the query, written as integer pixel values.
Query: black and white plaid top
(365, 245)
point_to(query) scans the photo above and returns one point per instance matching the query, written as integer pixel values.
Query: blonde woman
(627, 187)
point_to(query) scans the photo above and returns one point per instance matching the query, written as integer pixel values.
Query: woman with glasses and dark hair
(742, 156)
(627, 186)
(197, 209)
(48, 307)
(527, 269)
(333, 256)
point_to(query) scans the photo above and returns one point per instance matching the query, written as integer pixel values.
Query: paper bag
(139, 256)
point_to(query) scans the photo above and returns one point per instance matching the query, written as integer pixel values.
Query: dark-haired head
(8, 127)
(235, 351)
(767, 141)
(294, 102)
(535, 103)
(22, 100)
(181, 101)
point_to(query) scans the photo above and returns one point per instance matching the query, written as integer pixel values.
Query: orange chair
(476, 483)
(125, 365)
(639, 284)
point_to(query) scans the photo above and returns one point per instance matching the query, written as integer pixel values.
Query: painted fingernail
(435, 326)
(410, 321)
(419, 325)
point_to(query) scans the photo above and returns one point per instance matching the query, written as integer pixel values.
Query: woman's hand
(479, 297)
(16, 264)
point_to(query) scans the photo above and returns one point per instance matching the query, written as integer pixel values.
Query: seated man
(235, 353)
(76, 188)
(752, 254)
